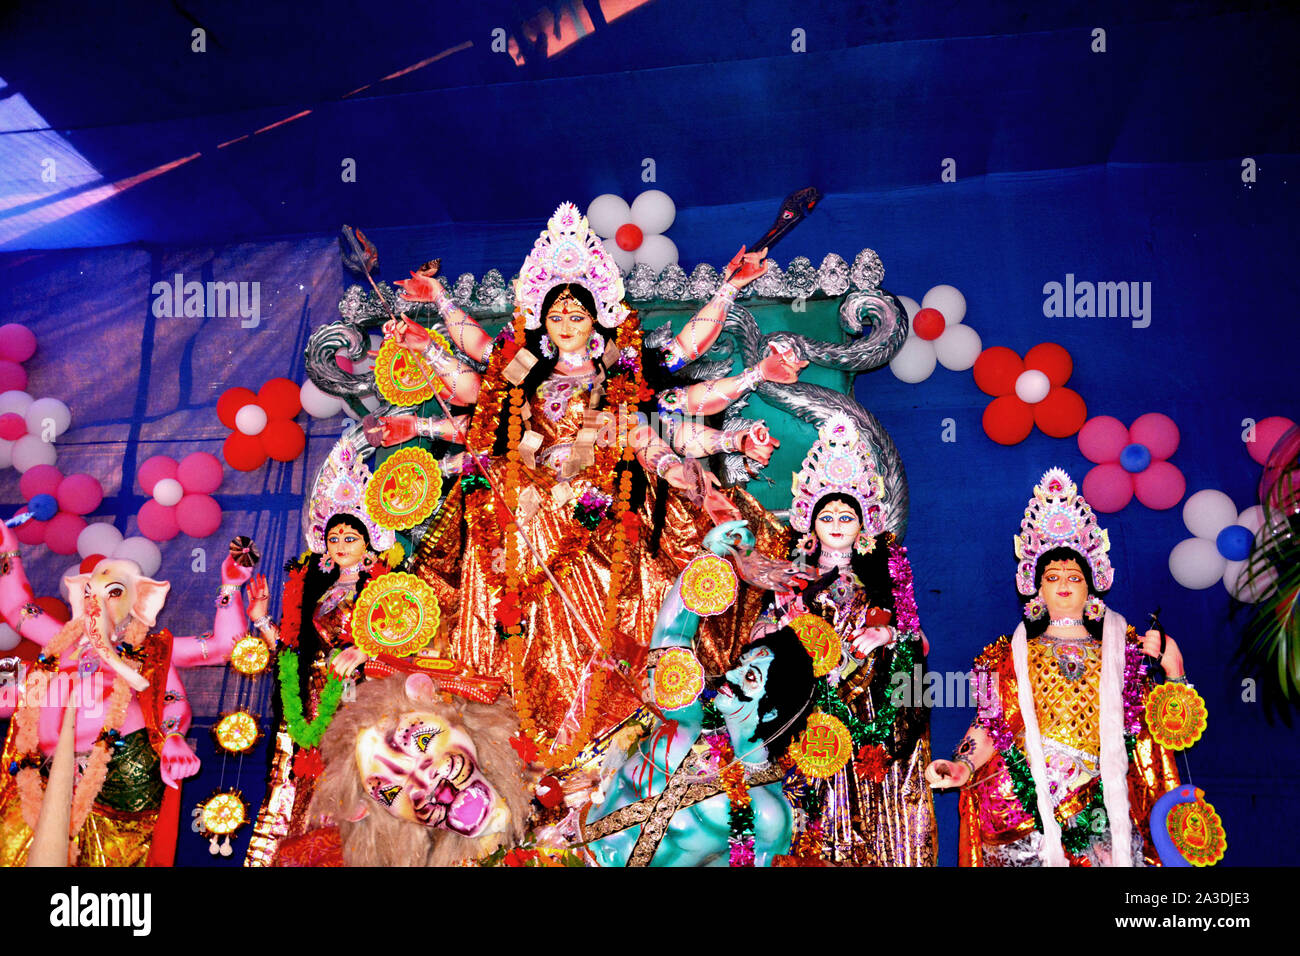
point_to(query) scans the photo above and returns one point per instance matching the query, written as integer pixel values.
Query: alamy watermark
(1101, 300)
(213, 300)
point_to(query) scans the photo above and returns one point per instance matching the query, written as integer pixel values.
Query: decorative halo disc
(250, 655)
(819, 640)
(236, 732)
(824, 747)
(404, 490)
(403, 376)
(223, 814)
(395, 614)
(1198, 832)
(679, 678)
(1176, 715)
(709, 585)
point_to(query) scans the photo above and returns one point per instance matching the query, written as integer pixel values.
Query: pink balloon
(154, 470)
(12, 426)
(39, 480)
(61, 532)
(80, 494)
(1161, 486)
(1158, 433)
(200, 473)
(17, 343)
(30, 532)
(1101, 439)
(13, 377)
(157, 523)
(1267, 434)
(1108, 488)
(198, 515)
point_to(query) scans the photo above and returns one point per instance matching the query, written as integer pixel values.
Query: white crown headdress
(341, 489)
(1059, 517)
(568, 250)
(839, 462)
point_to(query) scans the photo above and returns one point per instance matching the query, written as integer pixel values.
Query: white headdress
(839, 462)
(568, 250)
(341, 489)
(1059, 517)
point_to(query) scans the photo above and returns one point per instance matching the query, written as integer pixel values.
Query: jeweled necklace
(1067, 622)
(573, 360)
(830, 558)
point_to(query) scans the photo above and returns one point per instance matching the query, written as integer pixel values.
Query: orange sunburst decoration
(709, 585)
(1198, 833)
(404, 490)
(403, 376)
(824, 747)
(819, 640)
(1176, 715)
(679, 678)
(236, 732)
(395, 614)
(250, 655)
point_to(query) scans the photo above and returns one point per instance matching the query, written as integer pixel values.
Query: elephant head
(106, 600)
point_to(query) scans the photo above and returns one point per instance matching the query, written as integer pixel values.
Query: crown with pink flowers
(839, 462)
(341, 489)
(568, 250)
(1059, 517)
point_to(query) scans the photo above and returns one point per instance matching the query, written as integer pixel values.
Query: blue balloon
(1135, 458)
(43, 507)
(1234, 542)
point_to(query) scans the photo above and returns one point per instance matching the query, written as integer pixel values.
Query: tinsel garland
(1076, 837)
(306, 734)
(740, 810)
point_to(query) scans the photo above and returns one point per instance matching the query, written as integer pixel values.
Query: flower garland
(306, 734)
(740, 811)
(31, 790)
(1088, 823)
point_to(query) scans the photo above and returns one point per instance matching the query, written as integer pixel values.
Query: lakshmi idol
(571, 517)
(876, 810)
(1059, 767)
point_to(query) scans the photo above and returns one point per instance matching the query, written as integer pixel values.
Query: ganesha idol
(106, 689)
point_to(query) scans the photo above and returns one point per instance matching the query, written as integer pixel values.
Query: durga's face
(569, 325)
(1064, 589)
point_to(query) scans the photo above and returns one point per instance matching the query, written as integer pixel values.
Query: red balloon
(279, 398)
(61, 532)
(88, 563)
(12, 426)
(40, 480)
(1061, 414)
(1052, 360)
(13, 378)
(198, 515)
(284, 440)
(628, 236)
(1008, 420)
(230, 402)
(996, 371)
(244, 452)
(80, 494)
(157, 522)
(55, 609)
(929, 324)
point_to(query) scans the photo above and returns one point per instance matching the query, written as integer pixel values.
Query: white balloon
(1208, 512)
(1196, 563)
(653, 212)
(143, 552)
(606, 213)
(658, 252)
(16, 402)
(63, 581)
(1032, 386)
(911, 307)
(6, 452)
(958, 347)
(98, 538)
(168, 492)
(46, 415)
(29, 451)
(1247, 592)
(625, 259)
(9, 638)
(914, 362)
(319, 404)
(1252, 519)
(948, 301)
(250, 419)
